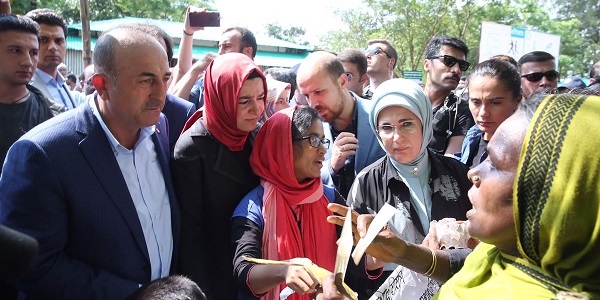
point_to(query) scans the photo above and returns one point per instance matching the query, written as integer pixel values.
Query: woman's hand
(299, 279)
(331, 289)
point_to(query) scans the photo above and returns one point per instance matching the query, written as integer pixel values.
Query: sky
(315, 16)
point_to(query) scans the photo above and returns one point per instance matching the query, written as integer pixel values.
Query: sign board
(413, 74)
(514, 41)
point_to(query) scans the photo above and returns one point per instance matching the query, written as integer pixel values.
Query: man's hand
(203, 63)
(186, 24)
(345, 145)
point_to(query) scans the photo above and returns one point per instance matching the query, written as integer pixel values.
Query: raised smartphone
(205, 19)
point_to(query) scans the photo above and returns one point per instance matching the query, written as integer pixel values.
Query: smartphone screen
(205, 19)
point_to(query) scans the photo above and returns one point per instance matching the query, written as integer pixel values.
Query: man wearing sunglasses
(355, 66)
(445, 62)
(381, 61)
(595, 77)
(538, 72)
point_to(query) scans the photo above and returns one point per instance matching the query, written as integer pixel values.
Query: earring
(474, 178)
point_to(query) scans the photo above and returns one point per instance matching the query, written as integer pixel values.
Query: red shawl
(272, 159)
(222, 84)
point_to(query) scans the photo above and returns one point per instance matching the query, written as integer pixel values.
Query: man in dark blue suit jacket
(177, 111)
(94, 186)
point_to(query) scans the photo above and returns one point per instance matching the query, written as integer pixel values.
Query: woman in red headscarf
(211, 171)
(285, 217)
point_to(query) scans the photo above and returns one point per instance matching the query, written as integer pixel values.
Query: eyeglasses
(89, 83)
(537, 76)
(389, 130)
(375, 51)
(315, 142)
(450, 61)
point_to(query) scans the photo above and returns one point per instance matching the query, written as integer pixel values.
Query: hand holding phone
(204, 19)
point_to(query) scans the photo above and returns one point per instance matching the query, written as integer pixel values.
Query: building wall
(74, 62)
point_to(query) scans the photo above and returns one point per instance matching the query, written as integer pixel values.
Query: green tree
(292, 34)
(409, 25)
(586, 13)
(113, 9)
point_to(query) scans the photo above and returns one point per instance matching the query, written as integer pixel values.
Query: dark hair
(155, 32)
(48, 17)
(595, 70)
(248, 39)
(356, 57)
(506, 58)
(435, 45)
(389, 49)
(501, 70)
(285, 75)
(535, 56)
(175, 287)
(254, 74)
(303, 118)
(72, 77)
(18, 23)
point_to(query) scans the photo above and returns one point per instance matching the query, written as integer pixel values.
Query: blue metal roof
(175, 30)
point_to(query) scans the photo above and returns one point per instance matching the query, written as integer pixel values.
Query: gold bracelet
(187, 33)
(433, 264)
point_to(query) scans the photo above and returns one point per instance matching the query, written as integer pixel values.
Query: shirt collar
(144, 132)
(46, 78)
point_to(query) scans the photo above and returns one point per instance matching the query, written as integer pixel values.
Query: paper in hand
(380, 220)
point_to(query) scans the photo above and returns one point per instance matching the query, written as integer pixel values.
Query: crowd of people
(144, 180)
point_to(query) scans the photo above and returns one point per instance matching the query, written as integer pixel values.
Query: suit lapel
(327, 131)
(98, 153)
(161, 142)
(365, 137)
(66, 89)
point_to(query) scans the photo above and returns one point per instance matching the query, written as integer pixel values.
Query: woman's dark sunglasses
(450, 61)
(537, 76)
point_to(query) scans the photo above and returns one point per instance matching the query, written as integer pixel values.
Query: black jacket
(210, 181)
(380, 183)
(448, 182)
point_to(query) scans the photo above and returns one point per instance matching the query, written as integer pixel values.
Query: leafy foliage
(113, 9)
(291, 34)
(410, 24)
